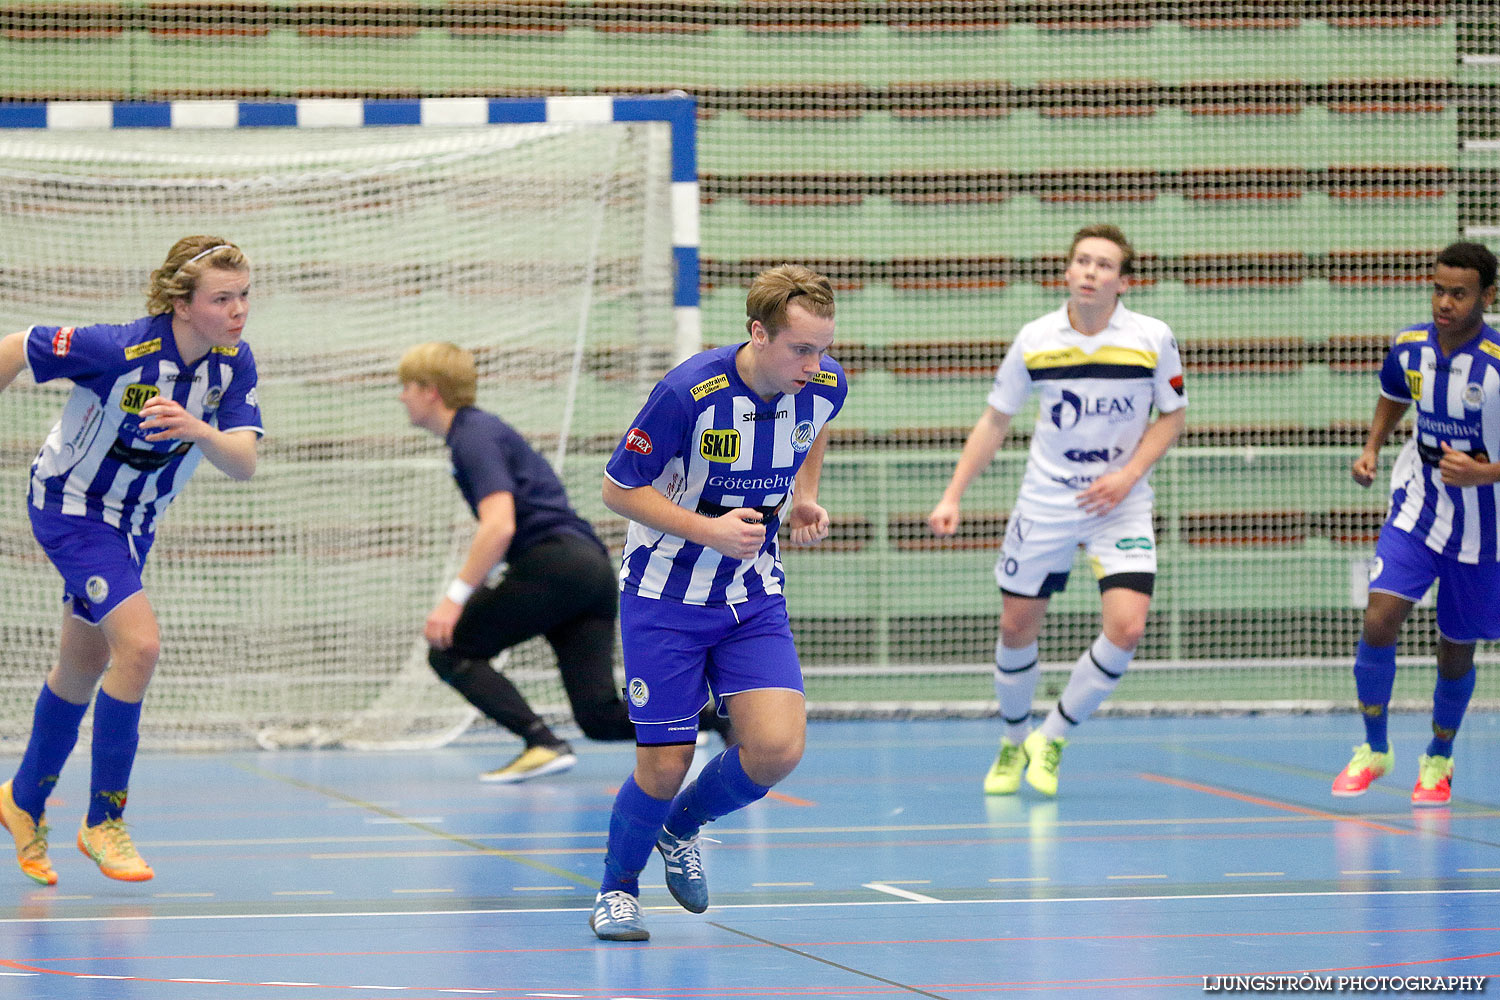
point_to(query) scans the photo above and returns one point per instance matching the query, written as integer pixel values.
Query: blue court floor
(1178, 849)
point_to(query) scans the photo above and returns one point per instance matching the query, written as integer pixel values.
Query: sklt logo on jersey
(720, 446)
(1414, 384)
(802, 436)
(638, 441)
(136, 396)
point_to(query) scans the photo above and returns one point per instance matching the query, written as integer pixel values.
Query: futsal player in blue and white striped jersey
(1444, 520)
(150, 399)
(728, 447)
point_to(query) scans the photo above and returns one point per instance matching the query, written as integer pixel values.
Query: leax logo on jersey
(720, 446)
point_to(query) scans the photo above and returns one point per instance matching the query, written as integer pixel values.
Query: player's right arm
(979, 451)
(739, 534)
(1388, 413)
(12, 357)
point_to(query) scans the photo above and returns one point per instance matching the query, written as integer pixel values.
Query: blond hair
(1115, 235)
(446, 367)
(178, 276)
(773, 289)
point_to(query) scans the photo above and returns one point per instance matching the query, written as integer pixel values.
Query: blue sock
(117, 732)
(54, 732)
(1450, 699)
(634, 826)
(720, 788)
(1374, 676)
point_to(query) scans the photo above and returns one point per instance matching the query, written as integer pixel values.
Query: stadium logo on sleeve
(709, 385)
(638, 441)
(639, 693)
(143, 349)
(720, 446)
(62, 341)
(802, 436)
(136, 396)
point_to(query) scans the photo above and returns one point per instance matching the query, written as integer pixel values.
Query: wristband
(459, 592)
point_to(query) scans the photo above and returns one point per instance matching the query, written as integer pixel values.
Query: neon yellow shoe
(31, 839)
(1364, 767)
(109, 845)
(1043, 757)
(1004, 777)
(533, 762)
(1434, 781)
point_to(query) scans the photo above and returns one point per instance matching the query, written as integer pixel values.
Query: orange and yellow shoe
(1364, 767)
(31, 839)
(108, 844)
(1434, 781)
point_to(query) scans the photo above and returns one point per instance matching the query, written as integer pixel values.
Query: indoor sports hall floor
(1179, 848)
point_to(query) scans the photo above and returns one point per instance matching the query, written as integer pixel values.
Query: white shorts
(1041, 543)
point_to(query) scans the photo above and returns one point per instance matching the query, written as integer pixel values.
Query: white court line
(528, 912)
(915, 897)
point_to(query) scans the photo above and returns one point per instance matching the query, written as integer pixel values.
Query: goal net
(292, 605)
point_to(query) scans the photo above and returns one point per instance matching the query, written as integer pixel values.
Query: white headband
(205, 253)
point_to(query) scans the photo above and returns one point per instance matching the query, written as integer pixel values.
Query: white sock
(1016, 674)
(1094, 676)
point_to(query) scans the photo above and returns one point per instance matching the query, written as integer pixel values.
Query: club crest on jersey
(638, 441)
(720, 446)
(136, 396)
(638, 692)
(62, 341)
(802, 436)
(1473, 396)
(709, 385)
(212, 397)
(143, 349)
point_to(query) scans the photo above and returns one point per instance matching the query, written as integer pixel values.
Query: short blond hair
(773, 290)
(178, 276)
(446, 367)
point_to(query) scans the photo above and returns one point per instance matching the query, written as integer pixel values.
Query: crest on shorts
(97, 588)
(638, 692)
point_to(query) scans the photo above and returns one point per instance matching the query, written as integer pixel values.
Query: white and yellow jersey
(1096, 396)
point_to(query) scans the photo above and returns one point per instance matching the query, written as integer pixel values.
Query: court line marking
(823, 961)
(528, 911)
(1227, 793)
(330, 793)
(915, 897)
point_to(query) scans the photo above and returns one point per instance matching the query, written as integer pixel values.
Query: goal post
(557, 238)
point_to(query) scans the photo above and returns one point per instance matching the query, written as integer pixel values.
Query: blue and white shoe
(685, 879)
(617, 917)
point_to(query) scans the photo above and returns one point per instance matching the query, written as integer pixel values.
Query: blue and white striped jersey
(1457, 401)
(705, 441)
(96, 462)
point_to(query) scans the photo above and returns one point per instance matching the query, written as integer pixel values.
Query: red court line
(1271, 803)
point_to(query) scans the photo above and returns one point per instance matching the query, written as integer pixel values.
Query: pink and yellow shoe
(1434, 781)
(1364, 767)
(31, 839)
(109, 845)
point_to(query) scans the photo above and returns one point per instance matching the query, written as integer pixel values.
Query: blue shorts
(1468, 596)
(100, 564)
(677, 654)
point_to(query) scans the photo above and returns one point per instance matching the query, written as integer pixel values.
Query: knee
(660, 775)
(136, 652)
(1379, 631)
(1125, 635)
(449, 666)
(605, 723)
(1017, 634)
(768, 761)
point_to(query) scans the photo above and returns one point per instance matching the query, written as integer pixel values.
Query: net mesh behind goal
(292, 605)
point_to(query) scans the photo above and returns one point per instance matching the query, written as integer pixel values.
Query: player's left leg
(134, 645)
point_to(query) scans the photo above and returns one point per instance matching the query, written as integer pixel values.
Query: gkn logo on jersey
(1074, 408)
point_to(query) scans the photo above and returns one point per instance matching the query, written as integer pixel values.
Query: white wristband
(459, 592)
